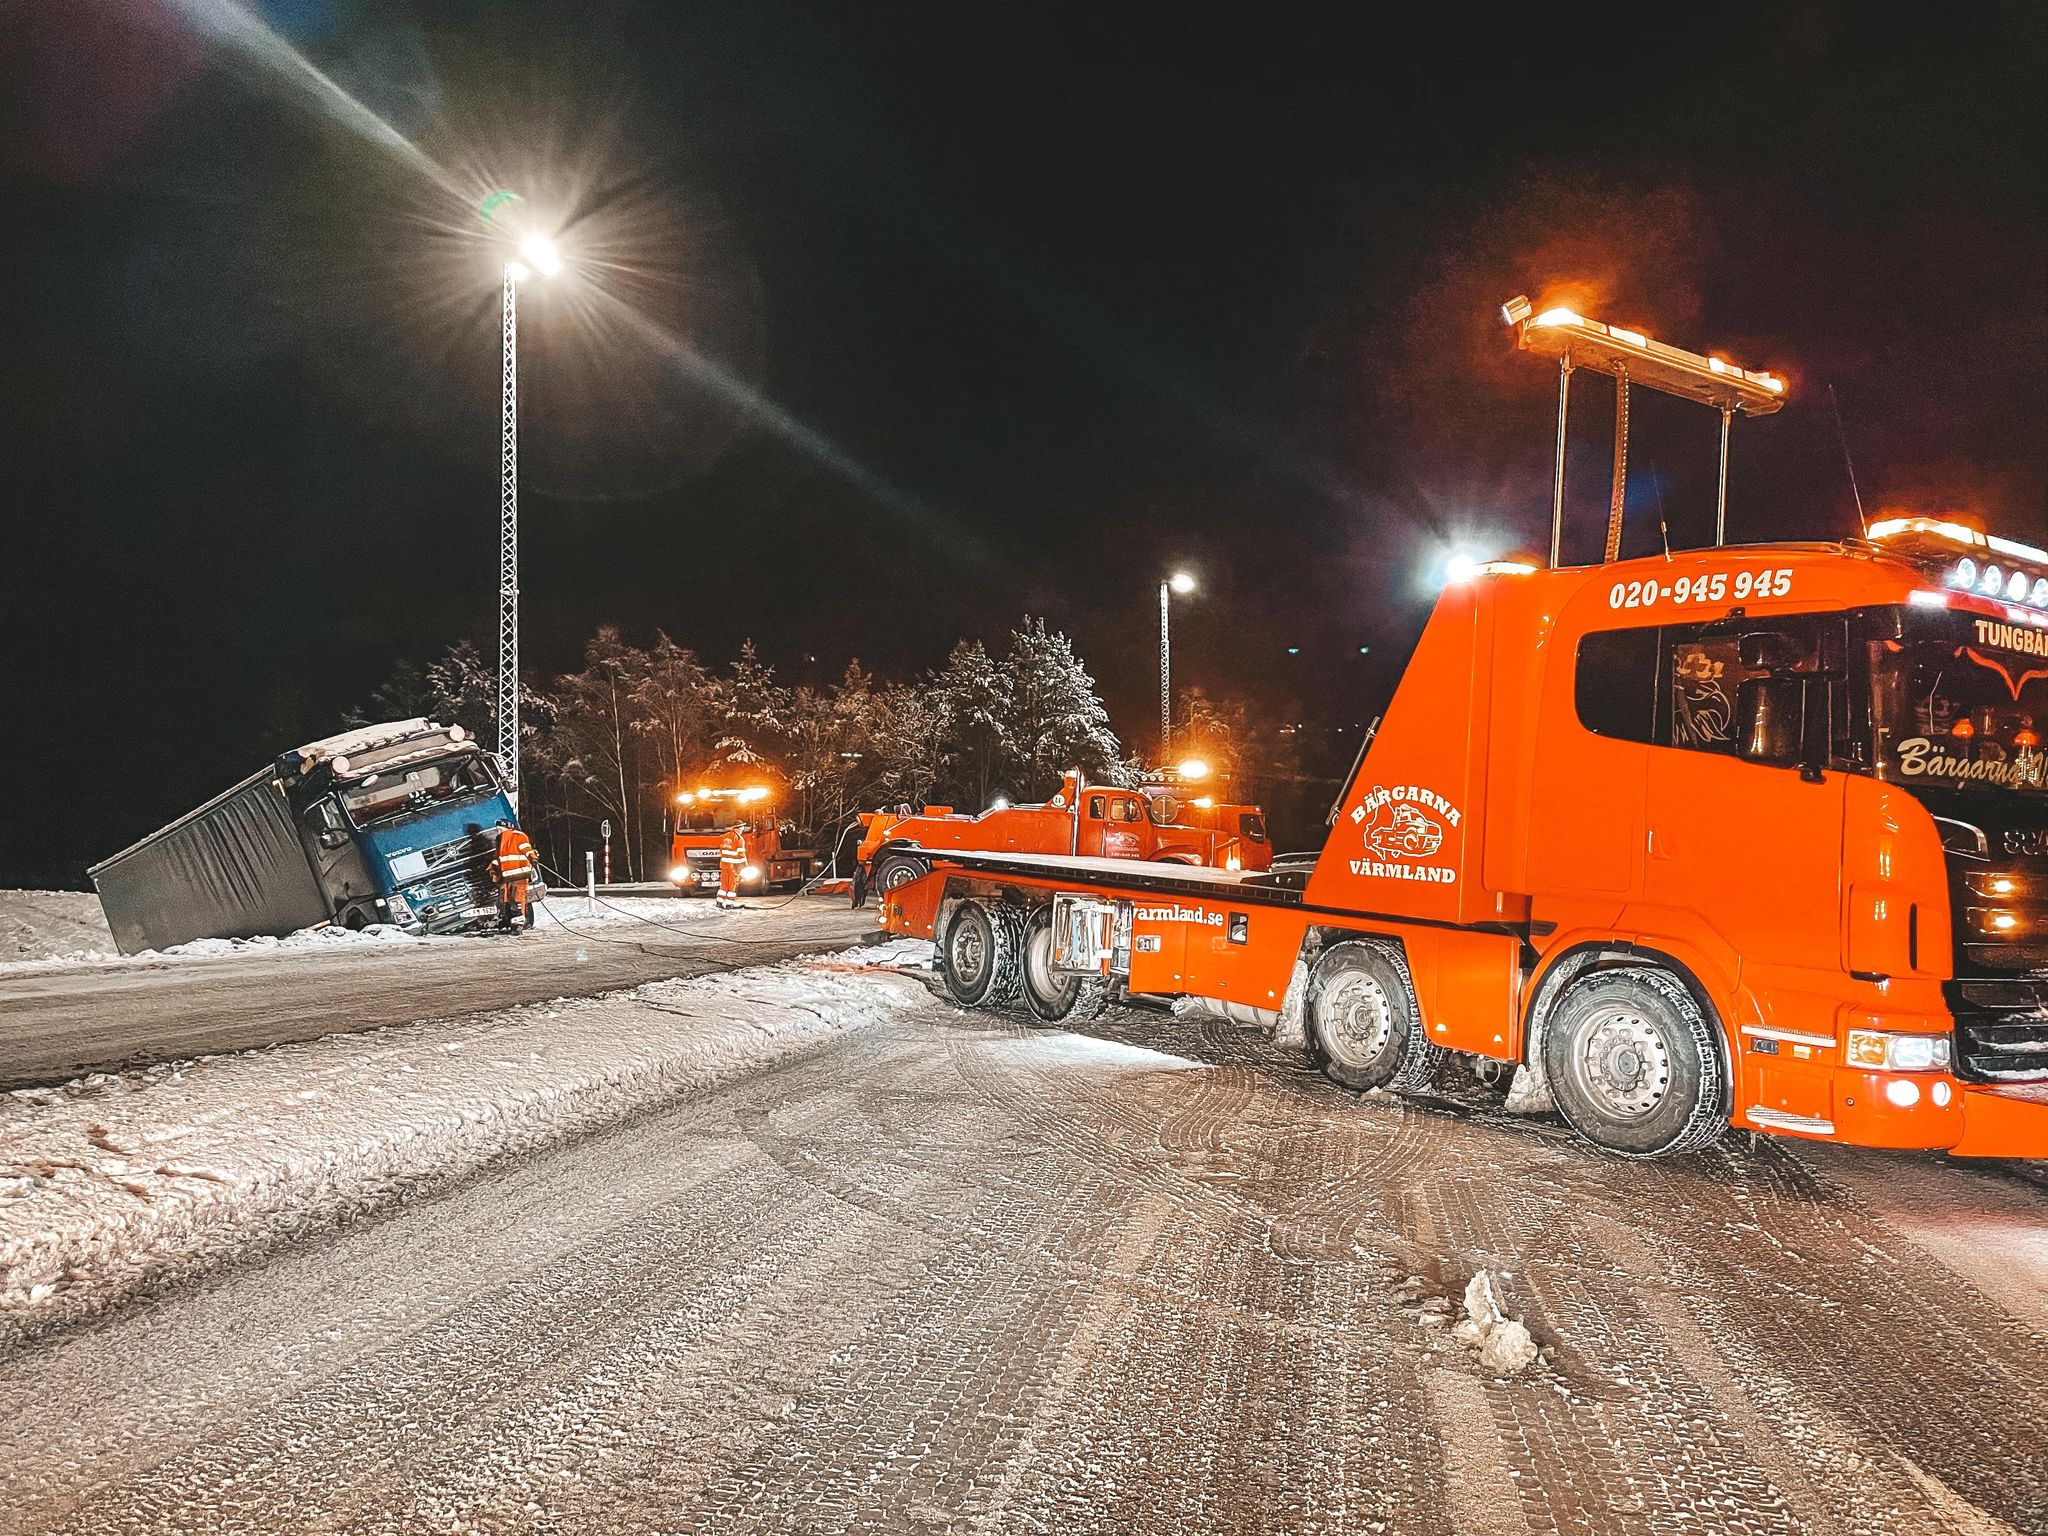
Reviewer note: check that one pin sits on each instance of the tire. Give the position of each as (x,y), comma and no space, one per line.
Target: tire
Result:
(1049,995)
(981,960)
(894,869)
(1364,1029)
(1635,1065)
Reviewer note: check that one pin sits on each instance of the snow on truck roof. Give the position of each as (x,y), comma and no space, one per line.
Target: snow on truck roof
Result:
(364,736)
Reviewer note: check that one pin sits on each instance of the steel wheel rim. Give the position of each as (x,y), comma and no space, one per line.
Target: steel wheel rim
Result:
(1048,984)
(897,874)
(968,952)
(1621,1062)
(1357,1019)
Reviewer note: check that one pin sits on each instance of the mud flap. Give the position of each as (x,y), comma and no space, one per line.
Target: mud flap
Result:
(2004,1122)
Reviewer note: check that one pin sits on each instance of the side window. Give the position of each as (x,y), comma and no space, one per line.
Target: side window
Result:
(1097,804)
(1615,688)
(1705,674)
(1124,808)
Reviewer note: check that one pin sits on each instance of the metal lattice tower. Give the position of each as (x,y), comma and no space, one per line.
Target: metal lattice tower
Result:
(508,549)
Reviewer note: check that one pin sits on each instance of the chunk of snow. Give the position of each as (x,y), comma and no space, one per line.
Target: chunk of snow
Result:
(1504,1345)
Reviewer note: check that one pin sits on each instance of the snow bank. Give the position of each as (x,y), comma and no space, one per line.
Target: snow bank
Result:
(305,941)
(52,927)
(109,1184)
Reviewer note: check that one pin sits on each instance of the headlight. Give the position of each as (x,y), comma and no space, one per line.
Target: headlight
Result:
(680,875)
(1890,1052)
(750,871)
(399,908)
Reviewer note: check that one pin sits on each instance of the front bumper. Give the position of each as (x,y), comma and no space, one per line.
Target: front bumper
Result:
(1918,1111)
(2005,1122)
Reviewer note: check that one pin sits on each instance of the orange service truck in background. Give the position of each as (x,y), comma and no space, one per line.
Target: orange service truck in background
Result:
(736,824)
(1751,836)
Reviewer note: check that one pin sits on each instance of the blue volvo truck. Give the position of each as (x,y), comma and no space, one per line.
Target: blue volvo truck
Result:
(392,823)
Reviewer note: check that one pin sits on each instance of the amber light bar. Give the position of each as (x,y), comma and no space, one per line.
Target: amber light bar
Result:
(1615,349)
(1633,358)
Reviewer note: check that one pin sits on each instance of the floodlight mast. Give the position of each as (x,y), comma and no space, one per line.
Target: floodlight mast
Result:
(1634,358)
(508,542)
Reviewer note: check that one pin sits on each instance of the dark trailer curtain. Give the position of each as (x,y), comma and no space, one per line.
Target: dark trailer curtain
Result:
(234,868)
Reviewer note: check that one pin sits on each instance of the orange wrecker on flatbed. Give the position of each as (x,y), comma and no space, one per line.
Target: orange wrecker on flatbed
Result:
(1750,836)
(1090,820)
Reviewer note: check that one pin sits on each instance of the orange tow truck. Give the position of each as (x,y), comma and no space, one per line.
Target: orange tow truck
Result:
(1750,836)
(737,825)
(1092,820)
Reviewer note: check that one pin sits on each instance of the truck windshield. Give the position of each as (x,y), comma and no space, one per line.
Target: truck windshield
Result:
(709,815)
(1961,702)
(415,787)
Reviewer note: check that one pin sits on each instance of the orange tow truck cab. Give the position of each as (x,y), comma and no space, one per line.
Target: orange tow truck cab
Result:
(734,825)
(1092,820)
(1752,836)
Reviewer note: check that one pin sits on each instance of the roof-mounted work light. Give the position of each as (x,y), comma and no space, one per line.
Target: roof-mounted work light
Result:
(1632,357)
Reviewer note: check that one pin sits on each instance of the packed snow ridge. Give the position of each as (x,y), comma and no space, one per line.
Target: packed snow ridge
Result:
(111,1184)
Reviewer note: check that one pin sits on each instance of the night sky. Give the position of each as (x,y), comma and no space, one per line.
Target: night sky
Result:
(919,318)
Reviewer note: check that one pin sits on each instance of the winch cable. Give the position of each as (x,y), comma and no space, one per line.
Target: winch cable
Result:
(655,922)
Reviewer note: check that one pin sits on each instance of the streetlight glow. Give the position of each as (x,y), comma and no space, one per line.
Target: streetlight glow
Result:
(1193,769)
(540,253)
(1181,582)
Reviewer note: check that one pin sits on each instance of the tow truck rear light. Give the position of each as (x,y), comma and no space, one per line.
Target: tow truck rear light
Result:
(1890,1051)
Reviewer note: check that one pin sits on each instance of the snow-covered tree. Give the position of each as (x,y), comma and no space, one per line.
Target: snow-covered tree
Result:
(973,698)
(594,748)
(1056,720)
(751,703)
(675,713)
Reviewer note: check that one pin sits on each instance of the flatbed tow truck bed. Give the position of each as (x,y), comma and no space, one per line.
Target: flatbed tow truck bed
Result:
(1282,886)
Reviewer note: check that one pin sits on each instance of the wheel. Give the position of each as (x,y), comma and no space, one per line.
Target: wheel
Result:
(894,869)
(980,960)
(1634,1063)
(1049,994)
(1364,1029)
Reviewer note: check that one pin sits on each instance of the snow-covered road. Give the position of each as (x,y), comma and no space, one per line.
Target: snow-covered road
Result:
(938,1272)
(61,1019)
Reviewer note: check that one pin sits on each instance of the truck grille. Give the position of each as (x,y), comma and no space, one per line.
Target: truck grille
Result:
(456,897)
(2001,1029)
(701,858)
